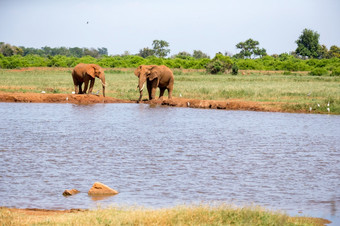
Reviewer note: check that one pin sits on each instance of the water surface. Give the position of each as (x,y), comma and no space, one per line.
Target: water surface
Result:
(163,156)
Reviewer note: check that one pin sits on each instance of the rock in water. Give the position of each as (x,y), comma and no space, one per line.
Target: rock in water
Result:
(101,189)
(70,192)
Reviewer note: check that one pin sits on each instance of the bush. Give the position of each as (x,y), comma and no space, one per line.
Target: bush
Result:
(336,72)
(219,64)
(318,72)
(234,69)
(215,67)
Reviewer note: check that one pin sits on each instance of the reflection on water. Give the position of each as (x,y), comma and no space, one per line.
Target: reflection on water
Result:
(163,156)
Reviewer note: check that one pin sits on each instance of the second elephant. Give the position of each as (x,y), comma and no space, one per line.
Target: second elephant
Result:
(85,73)
(155,76)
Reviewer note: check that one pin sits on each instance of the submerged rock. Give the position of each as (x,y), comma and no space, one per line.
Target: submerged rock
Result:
(70,192)
(101,189)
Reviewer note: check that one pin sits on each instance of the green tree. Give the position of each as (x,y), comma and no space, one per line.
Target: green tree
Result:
(250,48)
(103,51)
(198,54)
(145,52)
(183,55)
(7,50)
(159,46)
(308,44)
(334,51)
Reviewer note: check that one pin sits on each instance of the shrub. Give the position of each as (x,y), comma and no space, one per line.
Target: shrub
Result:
(318,72)
(219,64)
(234,69)
(215,67)
(336,72)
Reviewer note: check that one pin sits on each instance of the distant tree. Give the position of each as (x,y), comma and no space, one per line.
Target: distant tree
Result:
(308,44)
(323,52)
(334,51)
(103,51)
(250,48)
(76,52)
(91,52)
(182,55)
(198,54)
(126,53)
(145,52)
(9,50)
(159,46)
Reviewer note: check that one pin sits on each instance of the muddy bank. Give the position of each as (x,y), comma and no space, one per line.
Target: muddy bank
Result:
(230,104)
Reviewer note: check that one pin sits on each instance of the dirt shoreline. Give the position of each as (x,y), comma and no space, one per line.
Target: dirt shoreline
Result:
(230,104)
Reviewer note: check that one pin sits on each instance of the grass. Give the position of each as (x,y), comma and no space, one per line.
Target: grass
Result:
(180,215)
(295,92)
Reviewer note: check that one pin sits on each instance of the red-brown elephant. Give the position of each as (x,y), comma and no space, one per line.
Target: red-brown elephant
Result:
(83,73)
(155,76)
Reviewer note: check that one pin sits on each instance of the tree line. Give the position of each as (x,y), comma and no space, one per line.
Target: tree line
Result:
(308,56)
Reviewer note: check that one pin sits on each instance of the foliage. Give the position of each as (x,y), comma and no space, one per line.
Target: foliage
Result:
(318,72)
(198,54)
(234,69)
(219,64)
(146,52)
(9,50)
(308,44)
(249,48)
(159,46)
(336,71)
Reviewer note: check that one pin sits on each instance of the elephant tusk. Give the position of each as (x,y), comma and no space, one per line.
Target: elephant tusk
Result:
(103,84)
(142,87)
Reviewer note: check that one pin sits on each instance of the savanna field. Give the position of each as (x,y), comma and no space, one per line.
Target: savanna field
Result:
(287,92)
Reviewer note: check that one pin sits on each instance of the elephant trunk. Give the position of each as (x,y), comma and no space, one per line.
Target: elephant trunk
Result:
(141,85)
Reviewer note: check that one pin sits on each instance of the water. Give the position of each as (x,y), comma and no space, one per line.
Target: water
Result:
(163,156)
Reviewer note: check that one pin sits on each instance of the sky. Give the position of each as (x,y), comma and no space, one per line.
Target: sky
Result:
(211,26)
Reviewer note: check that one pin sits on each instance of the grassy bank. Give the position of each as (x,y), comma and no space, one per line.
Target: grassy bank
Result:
(182,215)
(294,92)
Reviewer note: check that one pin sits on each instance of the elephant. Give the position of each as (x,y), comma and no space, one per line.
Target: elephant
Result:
(155,76)
(83,73)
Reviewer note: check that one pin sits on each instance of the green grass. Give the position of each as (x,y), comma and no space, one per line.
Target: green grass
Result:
(291,91)
(180,215)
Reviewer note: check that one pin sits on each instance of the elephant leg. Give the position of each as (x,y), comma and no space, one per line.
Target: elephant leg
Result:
(86,85)
(149,86)
(170,92)
(91,86)
(161,93)
(76,89)
(80,90)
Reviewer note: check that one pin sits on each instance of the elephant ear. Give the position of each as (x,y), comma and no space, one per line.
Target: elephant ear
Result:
(154,73)
(137,71)
(91,71)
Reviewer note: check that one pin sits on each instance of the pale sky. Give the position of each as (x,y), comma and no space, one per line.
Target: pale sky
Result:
(208,25)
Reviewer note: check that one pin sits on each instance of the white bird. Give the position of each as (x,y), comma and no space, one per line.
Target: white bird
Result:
(310,108)
(43,92)
(329,110)
(180,95)
(318,105)
(66,98)
(188,103)
(328,104)
(73,92)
